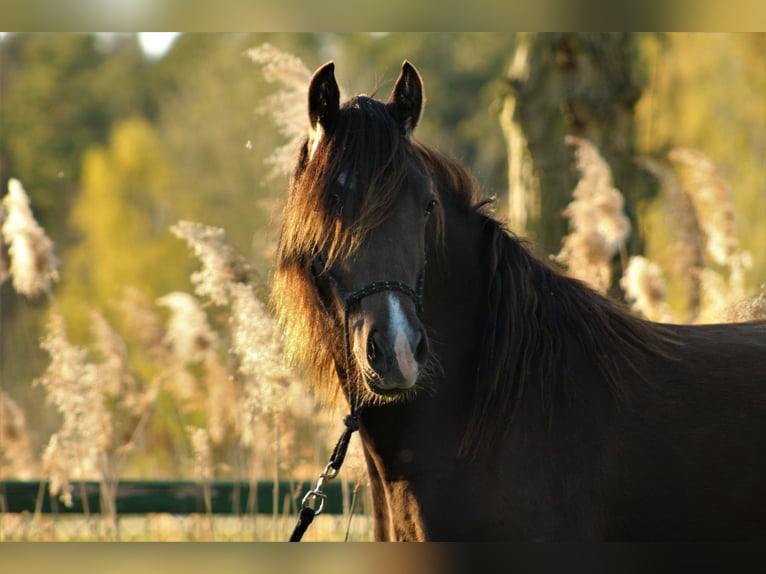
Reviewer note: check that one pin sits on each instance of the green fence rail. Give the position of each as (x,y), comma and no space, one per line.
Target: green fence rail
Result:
(172,497)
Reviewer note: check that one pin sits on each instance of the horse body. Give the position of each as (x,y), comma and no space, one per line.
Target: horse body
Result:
(682,459)
(540,410)
(679,455)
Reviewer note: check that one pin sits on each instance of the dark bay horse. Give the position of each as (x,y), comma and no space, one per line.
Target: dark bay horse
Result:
(502,400)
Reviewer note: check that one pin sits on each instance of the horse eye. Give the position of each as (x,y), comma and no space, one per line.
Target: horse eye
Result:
(430,207)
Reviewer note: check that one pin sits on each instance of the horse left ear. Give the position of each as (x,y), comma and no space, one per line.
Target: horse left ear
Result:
(406,100)
(324,97)
(324,103)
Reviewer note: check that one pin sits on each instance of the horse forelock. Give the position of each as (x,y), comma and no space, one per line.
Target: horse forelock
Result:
(347,186)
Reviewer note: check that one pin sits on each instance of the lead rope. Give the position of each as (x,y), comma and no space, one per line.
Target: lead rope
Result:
(314,501)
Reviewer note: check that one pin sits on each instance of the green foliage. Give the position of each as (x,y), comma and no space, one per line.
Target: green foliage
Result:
(60,94)
(121,217)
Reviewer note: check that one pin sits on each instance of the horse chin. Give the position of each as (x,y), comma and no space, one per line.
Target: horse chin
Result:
(385,395)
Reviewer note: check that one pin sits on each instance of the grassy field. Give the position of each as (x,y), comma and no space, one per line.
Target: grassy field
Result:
(176,528)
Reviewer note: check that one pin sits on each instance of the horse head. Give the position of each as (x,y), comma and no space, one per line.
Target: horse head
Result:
(369,259)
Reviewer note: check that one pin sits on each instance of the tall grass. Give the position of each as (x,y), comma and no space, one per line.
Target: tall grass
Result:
(708,256)
(240,407)
(596,219)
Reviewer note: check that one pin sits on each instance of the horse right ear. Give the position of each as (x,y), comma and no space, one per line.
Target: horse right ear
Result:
(406,100)
(324,103)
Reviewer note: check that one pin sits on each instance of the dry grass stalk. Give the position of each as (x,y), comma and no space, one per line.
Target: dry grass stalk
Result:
(258,347)
(75,388)
(33,264)
(287,106)
(114,366)
(221,266)
(713,202)
(16,458)
(130,406)
(645,289)
(688,247)
(752,309)
(269,388)
(5,271)
(222,390)
(596,219)
(714,206)
(257,342)
(202,454)
(188,333)
(142,322)
(203,467)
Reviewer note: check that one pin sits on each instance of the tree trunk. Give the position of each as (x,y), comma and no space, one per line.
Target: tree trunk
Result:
(562,84)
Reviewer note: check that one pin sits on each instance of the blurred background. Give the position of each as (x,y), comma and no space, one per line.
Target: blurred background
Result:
(116,137)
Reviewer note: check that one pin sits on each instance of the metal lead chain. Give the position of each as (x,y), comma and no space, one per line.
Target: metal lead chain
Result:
(316,498)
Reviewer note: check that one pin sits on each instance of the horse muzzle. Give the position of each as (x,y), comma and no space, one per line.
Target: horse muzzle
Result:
(391,350)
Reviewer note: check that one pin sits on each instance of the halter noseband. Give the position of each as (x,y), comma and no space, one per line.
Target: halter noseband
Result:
(416,294)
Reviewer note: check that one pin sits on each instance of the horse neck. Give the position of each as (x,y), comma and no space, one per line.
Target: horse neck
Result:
(412,449)
(420,435)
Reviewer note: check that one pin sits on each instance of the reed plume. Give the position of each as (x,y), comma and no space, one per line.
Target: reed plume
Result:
(188,333)
(287,106)
(688,245)
(596,219)
(16,457)
(268,387)
(33,263)
(751,309)
(712,200)
(221,266)
(645,289)
(714,207)
(78,450)
(114,366)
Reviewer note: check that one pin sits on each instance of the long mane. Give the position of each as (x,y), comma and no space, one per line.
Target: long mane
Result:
(534,314)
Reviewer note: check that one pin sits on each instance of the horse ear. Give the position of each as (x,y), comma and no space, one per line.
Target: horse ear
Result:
(406,100)
(324,98)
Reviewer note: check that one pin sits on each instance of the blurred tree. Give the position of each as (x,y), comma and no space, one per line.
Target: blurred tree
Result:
(569,84)
(59,94)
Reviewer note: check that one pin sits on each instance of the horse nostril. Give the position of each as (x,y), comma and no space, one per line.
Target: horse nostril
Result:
(372,349)
(421,348)
(377,356)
